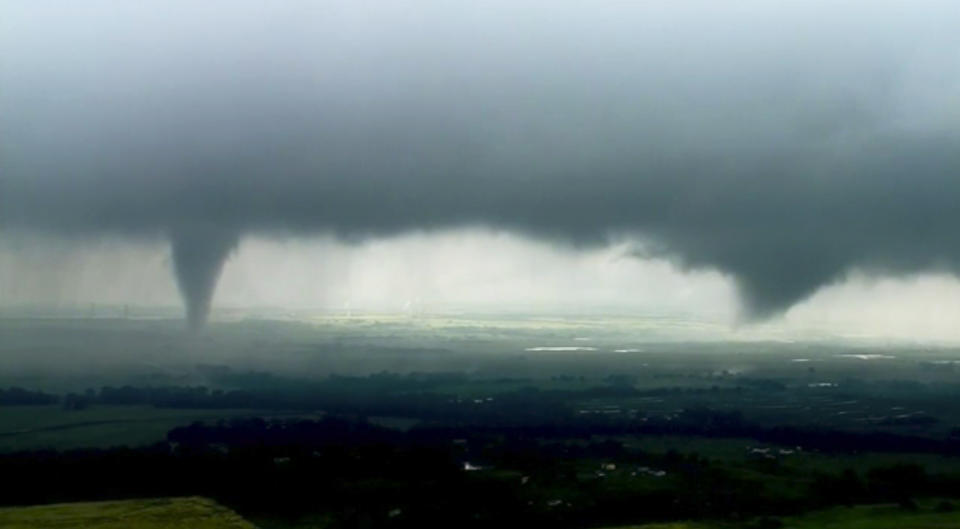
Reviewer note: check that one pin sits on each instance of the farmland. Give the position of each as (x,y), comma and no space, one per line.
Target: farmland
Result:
(392,422)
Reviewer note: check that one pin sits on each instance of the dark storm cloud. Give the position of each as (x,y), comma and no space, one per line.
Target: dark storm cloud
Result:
(783,145)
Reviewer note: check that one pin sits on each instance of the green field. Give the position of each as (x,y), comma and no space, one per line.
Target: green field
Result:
(926,516)
(52,427)
(168,513)
(736,451)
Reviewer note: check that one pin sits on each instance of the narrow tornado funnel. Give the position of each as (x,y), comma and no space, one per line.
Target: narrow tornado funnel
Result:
(198,257)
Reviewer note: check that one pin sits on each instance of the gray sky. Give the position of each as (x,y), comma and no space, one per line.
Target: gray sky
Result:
(772,147)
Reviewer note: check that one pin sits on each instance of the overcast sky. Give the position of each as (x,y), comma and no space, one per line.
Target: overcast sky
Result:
(728,158)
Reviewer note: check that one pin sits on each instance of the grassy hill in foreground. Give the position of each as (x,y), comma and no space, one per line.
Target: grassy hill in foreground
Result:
(927,516)
(165,513)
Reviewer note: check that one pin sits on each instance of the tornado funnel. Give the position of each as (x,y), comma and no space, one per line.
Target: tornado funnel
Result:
(198,257)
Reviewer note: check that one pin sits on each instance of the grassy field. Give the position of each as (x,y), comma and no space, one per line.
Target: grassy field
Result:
(927,516)
(167,513)
(36,427)
(736,451)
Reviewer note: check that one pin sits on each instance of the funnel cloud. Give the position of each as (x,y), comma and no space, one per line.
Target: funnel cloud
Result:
(198,257)
(775,144)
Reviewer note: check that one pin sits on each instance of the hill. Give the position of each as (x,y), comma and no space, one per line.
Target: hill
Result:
(164,513)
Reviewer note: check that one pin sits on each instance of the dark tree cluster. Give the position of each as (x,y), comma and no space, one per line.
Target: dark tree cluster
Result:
(23,397)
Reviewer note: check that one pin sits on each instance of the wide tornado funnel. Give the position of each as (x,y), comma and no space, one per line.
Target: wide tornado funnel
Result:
(198,257)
